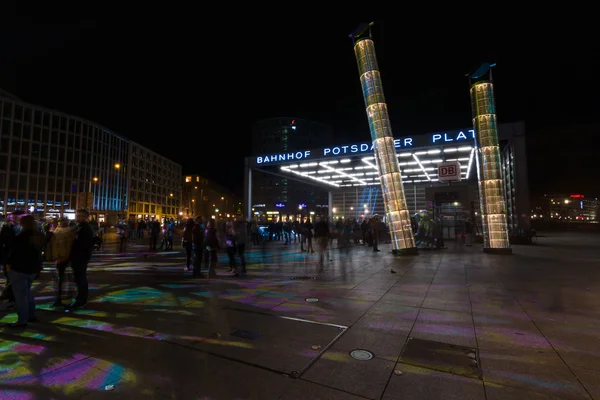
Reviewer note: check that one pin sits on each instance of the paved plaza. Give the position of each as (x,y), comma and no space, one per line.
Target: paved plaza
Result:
(449,324)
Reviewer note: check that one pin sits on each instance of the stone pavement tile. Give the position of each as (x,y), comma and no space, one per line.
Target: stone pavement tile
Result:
(577,344)
(410,289)
(509,334)
(494,391)
(537,371)
(445,327)
(457,279)
(375,285)
(449,291)
(338,370)
(437,303)
(303,390)
(285,355)
(417,383)
(317,313)
(365,295)
(402,299)
(590,380)
(382,344)
(390,319)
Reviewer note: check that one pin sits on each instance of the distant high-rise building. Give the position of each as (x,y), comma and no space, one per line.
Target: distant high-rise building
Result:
(282,135)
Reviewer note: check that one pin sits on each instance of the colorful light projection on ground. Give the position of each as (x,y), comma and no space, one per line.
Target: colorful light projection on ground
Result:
(30,371)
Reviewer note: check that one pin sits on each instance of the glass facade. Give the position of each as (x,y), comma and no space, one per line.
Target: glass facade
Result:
(396,210)
(283,135)
(155,185)
(489,167)
(52,163)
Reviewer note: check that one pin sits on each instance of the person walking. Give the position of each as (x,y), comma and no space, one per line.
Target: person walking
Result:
(375,227)
(23,265)
(198,246)
(308,233)
(154,227)
(7,235)
(241,227)
(61,251)
(322,236)
(469,232)
(81,253)
(187,243)
(211,243)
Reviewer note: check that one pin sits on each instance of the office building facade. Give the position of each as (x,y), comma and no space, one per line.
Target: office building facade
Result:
(276,191)
(202,197)
(52,163)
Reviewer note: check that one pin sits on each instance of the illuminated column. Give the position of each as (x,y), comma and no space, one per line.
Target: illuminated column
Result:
(489,166)
(398,216)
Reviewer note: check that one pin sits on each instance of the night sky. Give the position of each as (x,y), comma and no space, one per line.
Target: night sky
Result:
(190,85)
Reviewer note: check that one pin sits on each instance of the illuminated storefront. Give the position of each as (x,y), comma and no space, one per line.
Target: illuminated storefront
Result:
(348,173)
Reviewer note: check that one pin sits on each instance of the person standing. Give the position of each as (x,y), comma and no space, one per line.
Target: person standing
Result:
(7,236)
(187,242)
(81,253)
(198,239)
(241,227)
(211,243)
(308,233)
(23,265)
(61,250)
(254,233)
(154,233)
(375,227)
(322,236)
(469,232)
(231,241)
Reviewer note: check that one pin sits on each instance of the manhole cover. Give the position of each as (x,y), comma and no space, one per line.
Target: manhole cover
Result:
(361,355)
(245,334)
(457,360)
(311,299)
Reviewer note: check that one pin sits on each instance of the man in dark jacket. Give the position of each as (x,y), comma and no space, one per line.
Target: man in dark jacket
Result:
(198,245)
(23,265)
(322,236)
(7,235)
(81,253)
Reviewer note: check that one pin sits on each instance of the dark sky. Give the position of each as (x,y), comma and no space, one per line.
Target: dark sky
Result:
(189,83)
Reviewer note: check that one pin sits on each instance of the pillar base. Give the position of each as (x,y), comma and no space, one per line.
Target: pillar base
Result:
(507,251)
(411,251)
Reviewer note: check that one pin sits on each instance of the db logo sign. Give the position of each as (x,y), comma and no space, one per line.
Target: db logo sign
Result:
(449,171)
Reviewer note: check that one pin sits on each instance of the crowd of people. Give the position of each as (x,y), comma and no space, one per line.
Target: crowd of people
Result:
(26,243)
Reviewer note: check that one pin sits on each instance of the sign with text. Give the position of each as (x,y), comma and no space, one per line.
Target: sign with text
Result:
(458,137)
(449,171)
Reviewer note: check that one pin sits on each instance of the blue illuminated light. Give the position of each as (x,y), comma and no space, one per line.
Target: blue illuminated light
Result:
(460,136)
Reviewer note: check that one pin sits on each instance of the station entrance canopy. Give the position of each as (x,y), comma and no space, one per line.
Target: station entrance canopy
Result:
(354,164)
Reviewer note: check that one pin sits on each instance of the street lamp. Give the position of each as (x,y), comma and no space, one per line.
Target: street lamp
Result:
(117,165)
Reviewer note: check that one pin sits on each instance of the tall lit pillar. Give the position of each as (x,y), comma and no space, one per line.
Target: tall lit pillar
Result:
(489,166)
(398,216)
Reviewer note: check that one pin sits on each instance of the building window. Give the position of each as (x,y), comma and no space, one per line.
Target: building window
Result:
(188,179)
